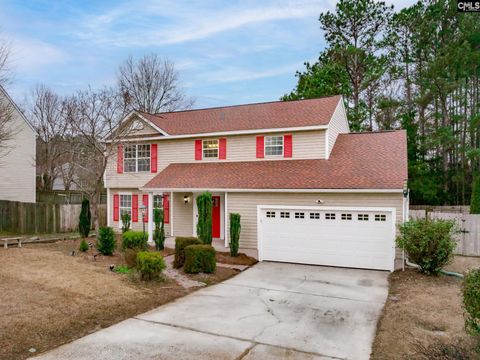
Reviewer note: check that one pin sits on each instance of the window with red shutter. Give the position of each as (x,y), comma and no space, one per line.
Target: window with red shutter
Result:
(145,203)
(120,159)
(166,208)
(116,209)
(287,146)
(198,149)
(222,153)
(153,158)
(135,208)
(260,147)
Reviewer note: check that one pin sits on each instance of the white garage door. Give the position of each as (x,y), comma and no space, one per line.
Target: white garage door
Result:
(359,238)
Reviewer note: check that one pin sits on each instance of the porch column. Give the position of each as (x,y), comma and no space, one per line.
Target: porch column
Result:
(226,220)
(109,211)
(150,218)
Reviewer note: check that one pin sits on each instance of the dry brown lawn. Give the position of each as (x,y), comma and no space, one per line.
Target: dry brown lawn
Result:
(48,297)
(423,317)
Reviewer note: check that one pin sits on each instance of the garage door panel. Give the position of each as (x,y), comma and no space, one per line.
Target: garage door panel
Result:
(362,239)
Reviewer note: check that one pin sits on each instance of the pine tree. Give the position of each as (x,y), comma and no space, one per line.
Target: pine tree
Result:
(475,200)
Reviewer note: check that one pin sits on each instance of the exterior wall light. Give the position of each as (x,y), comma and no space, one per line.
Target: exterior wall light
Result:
(186,199)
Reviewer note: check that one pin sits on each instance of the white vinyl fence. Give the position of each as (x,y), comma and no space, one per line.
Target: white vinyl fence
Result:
(468,240)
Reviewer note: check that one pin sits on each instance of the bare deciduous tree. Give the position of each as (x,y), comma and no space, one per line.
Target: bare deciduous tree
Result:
(48,118)
(94,115)
(151,84)
(7,130)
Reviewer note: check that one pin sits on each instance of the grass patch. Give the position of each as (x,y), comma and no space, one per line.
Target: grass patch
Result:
(122,269)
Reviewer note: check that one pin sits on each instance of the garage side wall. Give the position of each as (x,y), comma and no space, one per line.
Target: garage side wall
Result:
(246,205)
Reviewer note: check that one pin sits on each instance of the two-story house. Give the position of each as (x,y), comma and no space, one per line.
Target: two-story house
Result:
(307,189)
(17,153)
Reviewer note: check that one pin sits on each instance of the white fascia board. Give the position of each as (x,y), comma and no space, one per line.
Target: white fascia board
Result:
(387,191)
(4,92)
(228,133)
(128,118)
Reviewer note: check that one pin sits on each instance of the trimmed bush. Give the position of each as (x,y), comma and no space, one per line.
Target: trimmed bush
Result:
(150,264)
(106,240)
(180,244)
(84,220)
(125,222)
(471,302)
(475,200)
(204,224)
(130,256)
(200,259)
(159,233)
(234,233)
(428,243)
(83,246)
(134,240)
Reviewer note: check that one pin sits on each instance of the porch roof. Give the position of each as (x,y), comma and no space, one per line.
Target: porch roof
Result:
(358,161)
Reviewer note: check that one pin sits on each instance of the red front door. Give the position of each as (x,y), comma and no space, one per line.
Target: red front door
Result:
(216,217)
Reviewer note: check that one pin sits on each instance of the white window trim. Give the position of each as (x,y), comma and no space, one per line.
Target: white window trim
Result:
(218,149)
(136,159)
(265,146)
(120,224)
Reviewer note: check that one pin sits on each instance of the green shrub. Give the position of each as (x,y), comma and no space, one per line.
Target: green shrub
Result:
(130,256)
(204,224)
(428,243)
(125,222)
(471,302)
(122,269)
(134,240)
(84,220)
(475,199)
(200,258)
(150,264)
(180,244)
(159,233)
(83,246)
(106,240)
(234,233)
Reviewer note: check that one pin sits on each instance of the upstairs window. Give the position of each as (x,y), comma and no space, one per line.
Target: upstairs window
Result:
(136,158)
(210,148)
(273,145)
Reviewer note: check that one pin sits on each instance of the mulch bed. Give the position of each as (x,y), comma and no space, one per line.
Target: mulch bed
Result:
(241,259)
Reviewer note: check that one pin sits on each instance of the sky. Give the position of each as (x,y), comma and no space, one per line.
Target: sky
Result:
(226,52)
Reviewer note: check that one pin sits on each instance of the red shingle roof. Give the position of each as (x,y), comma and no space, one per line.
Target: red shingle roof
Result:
(279,114)
(358,161)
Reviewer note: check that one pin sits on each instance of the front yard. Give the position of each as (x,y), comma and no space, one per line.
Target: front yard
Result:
(423,317)
(49,297)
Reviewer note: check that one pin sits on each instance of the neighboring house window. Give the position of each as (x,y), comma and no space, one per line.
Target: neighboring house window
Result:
(125,205)
(157,201)
(137,158)
(273,145)
(210,148)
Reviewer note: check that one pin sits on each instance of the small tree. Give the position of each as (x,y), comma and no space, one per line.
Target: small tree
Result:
(83,246)
(84,220)
(125,222)
(234,233)
(475,200)
(159,233)
(204,225)
(106,240)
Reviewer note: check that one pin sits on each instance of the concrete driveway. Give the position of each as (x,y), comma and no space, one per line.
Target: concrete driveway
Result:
(270,311)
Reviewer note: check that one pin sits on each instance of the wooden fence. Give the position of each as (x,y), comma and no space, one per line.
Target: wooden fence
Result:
(41,218)
(468,240)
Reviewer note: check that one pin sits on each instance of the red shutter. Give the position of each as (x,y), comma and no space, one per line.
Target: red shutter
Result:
(120,159)
(260,147)
(222,144)
(135,208)
(145,203)
(116,209)
(287,146)
(153,157)
(198,149)
(166,208)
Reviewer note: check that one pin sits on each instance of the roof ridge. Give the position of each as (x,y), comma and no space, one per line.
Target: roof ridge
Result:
(372,132)
(239,105)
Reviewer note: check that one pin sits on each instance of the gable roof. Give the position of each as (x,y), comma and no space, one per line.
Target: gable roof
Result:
(268,115)
(376,160)
(22,115)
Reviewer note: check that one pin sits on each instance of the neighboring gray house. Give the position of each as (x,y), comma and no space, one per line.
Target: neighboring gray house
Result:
(17,164)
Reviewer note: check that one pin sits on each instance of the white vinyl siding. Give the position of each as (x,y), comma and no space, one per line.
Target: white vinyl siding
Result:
(338,125)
